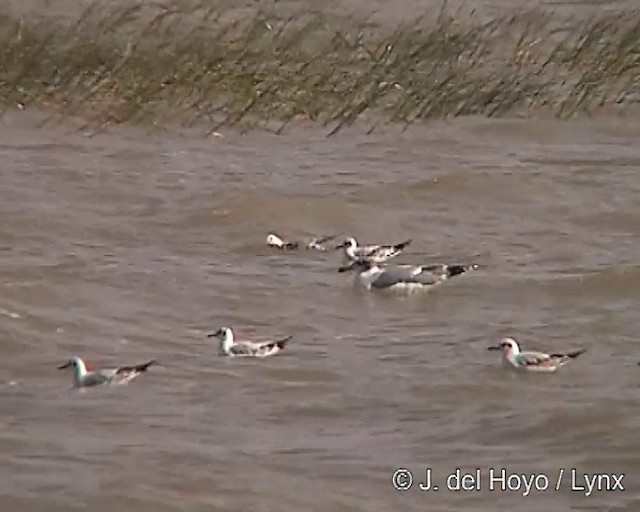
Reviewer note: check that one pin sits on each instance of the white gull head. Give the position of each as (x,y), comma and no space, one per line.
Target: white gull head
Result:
(226,338)
(79,369)
(509,348)
(274,240)
(350,246)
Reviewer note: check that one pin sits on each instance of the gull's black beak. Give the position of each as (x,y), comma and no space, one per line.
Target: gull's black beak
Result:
(341,246)
(213,334)
(65,365)
(495,347)
(346,268)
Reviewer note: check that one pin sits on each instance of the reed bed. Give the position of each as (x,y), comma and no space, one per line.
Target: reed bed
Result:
(193,63)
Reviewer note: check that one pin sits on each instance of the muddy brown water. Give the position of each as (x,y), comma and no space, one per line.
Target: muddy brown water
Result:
(128,246)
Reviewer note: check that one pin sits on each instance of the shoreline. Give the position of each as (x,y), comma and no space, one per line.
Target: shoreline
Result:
(188,64)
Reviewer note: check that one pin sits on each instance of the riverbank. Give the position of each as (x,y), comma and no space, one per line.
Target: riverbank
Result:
(190,63)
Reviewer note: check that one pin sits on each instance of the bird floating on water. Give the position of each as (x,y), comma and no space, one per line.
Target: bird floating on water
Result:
(108,376)
(230,347)
(314,243)
(532,361)
(403,277)
(373,253)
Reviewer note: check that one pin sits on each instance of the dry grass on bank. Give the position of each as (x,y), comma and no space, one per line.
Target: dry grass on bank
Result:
(191,63)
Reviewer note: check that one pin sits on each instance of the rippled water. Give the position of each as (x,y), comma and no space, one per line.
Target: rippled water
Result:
(126,246)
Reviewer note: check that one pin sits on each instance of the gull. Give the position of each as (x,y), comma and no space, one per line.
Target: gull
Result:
(230,347)
(403,277)
(532,361)
(374,253)
(315,243)
(120,375)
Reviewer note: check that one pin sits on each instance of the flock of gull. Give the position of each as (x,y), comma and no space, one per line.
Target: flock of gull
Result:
(373,273)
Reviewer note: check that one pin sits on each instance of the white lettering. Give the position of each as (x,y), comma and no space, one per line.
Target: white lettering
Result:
(460,481)
(517,481)
(598,482)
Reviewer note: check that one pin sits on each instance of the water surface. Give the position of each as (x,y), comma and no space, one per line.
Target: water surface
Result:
(128,246)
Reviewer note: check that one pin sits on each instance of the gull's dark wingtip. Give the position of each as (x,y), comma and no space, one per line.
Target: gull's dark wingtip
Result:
(144,366)
(284,341)
(281,343)
(572,355)
(455,270)
(576,353)
(402,245)
(139,368)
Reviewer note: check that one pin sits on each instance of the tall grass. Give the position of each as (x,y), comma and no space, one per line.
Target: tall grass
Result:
(190,62)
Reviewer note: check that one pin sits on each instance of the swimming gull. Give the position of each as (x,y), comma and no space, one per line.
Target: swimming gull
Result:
(532,361)
(230,347)
(316,243)
(403,277)
(373,253)
(108,376)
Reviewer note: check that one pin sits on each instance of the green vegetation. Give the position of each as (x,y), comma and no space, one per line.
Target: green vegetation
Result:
(188,62)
